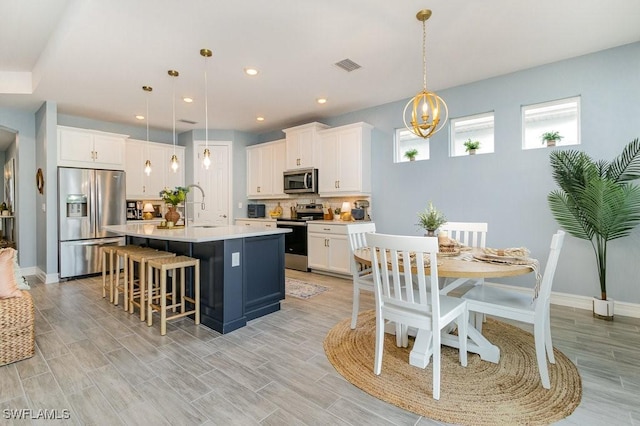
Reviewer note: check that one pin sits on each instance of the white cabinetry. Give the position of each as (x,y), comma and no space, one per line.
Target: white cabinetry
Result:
(256,223)
(303,145)
(345,160)
(141,186)
(265,164)
(328,248)
(90,148)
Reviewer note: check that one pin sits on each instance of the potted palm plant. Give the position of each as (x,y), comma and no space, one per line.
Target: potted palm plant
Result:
(471,146)
(430,220)
(551,138)
(411,154)
(597,202)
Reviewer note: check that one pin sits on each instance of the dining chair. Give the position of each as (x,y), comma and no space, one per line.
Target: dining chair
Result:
(362,276)
(518,306)
(471,234)
(412,305)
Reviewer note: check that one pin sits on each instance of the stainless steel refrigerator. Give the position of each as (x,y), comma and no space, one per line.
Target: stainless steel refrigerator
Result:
(88,200)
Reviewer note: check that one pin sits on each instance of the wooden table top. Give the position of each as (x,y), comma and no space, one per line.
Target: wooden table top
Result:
(453,267)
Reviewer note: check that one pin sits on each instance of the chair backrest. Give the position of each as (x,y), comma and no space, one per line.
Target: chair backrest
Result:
(549,270)
(472,234)
(356,233)
(392,253)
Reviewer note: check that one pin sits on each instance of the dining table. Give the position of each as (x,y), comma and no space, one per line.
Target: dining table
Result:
(471,263)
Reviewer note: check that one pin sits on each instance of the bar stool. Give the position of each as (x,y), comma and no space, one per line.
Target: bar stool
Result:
(111,273)
(122,252)
(157,292)
(137,297)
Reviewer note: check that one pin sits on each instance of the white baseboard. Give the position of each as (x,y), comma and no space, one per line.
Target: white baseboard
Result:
(45,278)
(579,302)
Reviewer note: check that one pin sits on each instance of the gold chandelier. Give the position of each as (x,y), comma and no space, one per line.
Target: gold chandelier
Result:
(206,158)
(429,112)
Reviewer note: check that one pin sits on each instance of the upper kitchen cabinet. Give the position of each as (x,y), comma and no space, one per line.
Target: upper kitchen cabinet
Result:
(303,145)
(141,186)
(265,167)
(90,148)
(345,160)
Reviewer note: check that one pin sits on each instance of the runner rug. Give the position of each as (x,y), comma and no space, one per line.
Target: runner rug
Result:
(482,393)
(301,289)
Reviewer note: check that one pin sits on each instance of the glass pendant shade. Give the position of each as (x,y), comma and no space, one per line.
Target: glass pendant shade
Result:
(206,158)
(174,157)
(429,111)
(174,163)
(147,167)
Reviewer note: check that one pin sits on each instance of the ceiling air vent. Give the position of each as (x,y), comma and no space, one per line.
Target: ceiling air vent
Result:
(348,65)
(182,120)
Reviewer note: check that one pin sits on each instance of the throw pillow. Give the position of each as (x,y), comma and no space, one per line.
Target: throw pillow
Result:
(8,285)
(20,280)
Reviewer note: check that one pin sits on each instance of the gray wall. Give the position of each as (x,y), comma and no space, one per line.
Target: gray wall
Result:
(508,188)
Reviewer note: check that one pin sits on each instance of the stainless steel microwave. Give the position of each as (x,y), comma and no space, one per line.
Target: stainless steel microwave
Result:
(301,181)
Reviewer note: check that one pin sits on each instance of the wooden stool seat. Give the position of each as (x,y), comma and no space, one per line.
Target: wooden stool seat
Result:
(122,252)
(157,293)
(137,297)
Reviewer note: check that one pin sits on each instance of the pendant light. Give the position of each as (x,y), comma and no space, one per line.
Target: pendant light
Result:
(174,157)
(206,157)
(147,164)
(429,112)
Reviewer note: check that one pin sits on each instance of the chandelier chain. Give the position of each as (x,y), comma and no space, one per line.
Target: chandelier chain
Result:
(424,54)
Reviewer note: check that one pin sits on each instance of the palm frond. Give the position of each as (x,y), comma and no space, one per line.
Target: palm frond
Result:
(569,216)
(626,167)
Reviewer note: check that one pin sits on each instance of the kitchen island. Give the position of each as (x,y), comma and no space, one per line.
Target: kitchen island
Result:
(241,270)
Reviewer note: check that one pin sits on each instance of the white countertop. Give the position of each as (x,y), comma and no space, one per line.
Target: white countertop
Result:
(193,233)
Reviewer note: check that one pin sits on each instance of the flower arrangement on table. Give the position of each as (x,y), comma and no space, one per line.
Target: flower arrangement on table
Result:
(431,219)
(174,196)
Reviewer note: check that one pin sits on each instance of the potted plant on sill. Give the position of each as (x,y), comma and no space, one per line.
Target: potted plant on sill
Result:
(430,220)
(597,202)
(411,154)
(551,138)
(471,146)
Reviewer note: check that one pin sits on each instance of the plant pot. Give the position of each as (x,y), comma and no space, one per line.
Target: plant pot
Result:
(551,142)
(172,215)
(430,233)
(472,152)
(603,309)
(412,158)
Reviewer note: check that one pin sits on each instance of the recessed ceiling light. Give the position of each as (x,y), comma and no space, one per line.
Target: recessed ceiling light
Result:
(321,100)
(140,117)
(187,99)
(260,118)
(251,71)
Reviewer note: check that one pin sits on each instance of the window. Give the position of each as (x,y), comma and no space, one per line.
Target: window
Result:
(407,141)
(562,116)
(478,127)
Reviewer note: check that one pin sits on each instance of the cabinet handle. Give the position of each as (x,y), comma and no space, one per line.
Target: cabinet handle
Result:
(338,184)
(96,155)
(326,229)
(258,189)
(144,189)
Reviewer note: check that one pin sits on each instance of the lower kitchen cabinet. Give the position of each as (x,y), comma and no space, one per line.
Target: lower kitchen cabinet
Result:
(328,248)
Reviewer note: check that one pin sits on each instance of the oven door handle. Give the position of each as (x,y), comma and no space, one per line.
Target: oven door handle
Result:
(284,222)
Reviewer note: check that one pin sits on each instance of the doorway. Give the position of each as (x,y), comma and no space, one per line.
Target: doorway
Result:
(216,183)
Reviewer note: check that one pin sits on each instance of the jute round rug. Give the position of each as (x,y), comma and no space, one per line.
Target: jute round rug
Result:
(482,393)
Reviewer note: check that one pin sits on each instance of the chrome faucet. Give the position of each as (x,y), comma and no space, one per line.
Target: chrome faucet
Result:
(202,206)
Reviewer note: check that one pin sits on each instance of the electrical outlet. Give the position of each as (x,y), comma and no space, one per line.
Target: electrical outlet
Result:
(235,259)
(240,205)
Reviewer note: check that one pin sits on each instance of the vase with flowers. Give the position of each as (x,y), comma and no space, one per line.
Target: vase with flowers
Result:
(173,197)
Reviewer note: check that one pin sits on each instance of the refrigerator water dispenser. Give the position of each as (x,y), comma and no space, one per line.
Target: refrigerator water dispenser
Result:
(76,205)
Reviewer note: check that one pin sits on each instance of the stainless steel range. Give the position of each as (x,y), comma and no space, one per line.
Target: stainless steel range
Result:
(295,242)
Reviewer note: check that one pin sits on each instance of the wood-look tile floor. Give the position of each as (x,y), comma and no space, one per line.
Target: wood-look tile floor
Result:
(105,367)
